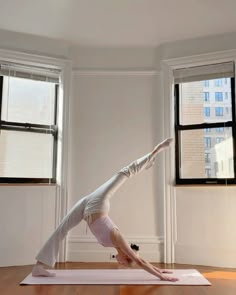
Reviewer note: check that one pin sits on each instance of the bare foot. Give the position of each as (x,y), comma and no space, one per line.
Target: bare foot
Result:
(163,145)
(39,271)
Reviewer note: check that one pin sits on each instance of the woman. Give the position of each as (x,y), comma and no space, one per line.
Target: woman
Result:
(94,210)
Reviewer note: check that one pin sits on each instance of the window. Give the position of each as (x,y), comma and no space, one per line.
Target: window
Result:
(219,111)
(231,163)
(207,111)
(207,158)
(222,165)
(206,83)
(219,96)
(28,124)
(206,96)
(219,129)
(226,95)
(219,139)
(205,133)
(207,141)
(218,82)
(216,166)
(208,172)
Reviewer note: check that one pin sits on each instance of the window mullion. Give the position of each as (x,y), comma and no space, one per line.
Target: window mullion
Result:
(177,137)
(234,123)
(27,127)
(204,126)
(55,145)
(1,89)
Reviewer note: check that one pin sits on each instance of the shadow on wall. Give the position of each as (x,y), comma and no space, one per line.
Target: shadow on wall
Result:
(158,135)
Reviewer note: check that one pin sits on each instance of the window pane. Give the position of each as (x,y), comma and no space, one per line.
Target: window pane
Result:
(218,82)
(206,96)
(207,111)
(196,105)
(206,156)
(218,96)
(219,111)
(26,154)
(28,101)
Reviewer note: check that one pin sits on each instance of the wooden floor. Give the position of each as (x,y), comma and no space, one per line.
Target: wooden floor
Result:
(223,283)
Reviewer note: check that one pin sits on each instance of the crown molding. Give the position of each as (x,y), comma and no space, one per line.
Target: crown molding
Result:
(115,72)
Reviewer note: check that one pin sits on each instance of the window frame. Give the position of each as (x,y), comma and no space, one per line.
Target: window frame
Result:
(178,128)
(35,128)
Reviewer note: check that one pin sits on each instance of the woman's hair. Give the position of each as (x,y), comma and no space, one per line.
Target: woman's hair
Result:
(134,247)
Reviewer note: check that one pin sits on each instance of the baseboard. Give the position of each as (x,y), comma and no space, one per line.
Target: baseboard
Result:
(87,249)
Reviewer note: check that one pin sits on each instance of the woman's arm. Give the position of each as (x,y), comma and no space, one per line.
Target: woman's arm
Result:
(124,247)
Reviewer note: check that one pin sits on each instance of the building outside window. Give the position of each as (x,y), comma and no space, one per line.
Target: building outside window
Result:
(216,166)
(207,112)
(218,82)
(207,158)
(219,96)
(208,172)
(219,111)
(219,129)
(206,96)
(207,141)
(219,139)
(207,130)
(201,154)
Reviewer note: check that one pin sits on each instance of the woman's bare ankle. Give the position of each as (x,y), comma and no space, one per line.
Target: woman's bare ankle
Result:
(39,263)
(39,270)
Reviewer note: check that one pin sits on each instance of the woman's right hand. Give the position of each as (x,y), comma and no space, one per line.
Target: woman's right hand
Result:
(170,279)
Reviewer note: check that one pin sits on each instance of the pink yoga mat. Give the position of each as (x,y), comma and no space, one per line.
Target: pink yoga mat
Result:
(115,277)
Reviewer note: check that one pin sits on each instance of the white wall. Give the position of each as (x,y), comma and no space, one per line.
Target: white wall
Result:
(206,226)
(27,217)
(114,58)
(112,123)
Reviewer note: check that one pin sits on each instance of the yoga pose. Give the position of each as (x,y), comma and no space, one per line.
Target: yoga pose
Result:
(94,210)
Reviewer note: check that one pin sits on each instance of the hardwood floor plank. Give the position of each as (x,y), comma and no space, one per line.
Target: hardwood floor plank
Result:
(223,282)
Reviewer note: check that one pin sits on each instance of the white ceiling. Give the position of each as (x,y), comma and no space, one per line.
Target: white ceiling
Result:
(119,23)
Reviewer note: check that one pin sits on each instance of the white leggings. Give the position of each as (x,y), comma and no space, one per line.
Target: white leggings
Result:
(96,202)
